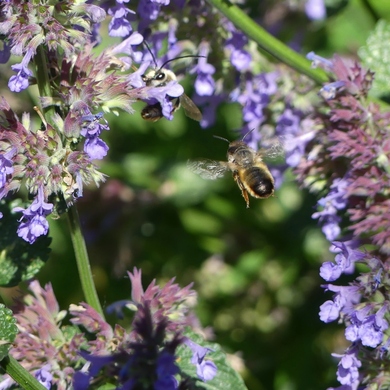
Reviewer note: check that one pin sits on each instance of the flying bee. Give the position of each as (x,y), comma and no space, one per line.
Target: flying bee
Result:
(160,78)
(247,166)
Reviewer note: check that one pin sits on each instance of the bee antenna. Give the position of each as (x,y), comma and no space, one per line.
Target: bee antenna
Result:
(223,139)
(178,58)
(151,53)
(250,131)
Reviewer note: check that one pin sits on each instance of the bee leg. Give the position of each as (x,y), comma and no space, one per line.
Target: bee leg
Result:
(240,184)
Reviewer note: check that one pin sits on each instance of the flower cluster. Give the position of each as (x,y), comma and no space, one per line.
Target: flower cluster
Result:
(350,159)
(59,355)
(48,161)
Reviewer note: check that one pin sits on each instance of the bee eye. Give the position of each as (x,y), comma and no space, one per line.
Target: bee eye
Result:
(143,77)
(160,76)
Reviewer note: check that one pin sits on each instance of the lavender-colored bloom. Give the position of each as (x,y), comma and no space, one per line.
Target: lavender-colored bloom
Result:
(318,60)
(344,261)
(315,9)
(334,201)
(330,271)
(19,82)
(367,328)
(148,11)
(6,166)
(329,311)
(296,135)
(329,91)
(205,369)
(6,383)
(166,369)
(119,25)
(348,368)
(288,122)
(256,97)
(80,185)
(344,300)
(96,148)
(91,129)
(347,255)
(33,223)
(126,47)
(135,78)
(377,279)
(239,57)
(204,83)
(44,376)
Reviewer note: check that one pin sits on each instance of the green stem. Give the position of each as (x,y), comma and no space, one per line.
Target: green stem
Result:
(42,74)
(20,375)
(267,42)
(82,260)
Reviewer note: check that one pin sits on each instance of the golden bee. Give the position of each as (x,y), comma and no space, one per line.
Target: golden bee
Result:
(247,166)
(160,78)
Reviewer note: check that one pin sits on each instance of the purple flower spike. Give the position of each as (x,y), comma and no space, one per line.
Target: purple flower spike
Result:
(33,223)
(205,369)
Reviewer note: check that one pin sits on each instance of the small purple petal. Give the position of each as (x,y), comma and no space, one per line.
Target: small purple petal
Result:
(206,371)
(96,148)
(329,311)
(315,9)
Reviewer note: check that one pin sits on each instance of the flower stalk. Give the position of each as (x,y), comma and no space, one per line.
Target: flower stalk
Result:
(42,75)
(267,42)
(20,374)
(82,260)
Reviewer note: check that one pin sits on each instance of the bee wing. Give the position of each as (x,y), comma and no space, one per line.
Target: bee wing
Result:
(273,151)
(208,169)
(190,109)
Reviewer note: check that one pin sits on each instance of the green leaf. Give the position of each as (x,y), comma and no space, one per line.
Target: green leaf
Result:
(226,378)
(19,260)
(8,330)
(375,55)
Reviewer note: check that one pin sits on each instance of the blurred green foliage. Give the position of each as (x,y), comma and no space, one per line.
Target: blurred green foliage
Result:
(255,270)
